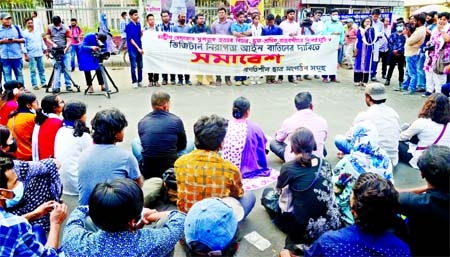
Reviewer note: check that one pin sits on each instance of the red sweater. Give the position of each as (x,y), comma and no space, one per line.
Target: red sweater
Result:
(46,137)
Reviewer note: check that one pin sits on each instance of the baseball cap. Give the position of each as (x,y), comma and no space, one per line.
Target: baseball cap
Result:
(5,16)
(211,222)
(376,91)
(350,20)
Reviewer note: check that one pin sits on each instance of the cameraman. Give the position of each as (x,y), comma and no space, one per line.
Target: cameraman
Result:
(59,37)
(93,44)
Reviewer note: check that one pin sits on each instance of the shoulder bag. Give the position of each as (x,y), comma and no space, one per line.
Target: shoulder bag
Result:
(440,64)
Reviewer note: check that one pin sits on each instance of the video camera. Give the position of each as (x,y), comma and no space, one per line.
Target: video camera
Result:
(306,23)
(101,54)
(56,53)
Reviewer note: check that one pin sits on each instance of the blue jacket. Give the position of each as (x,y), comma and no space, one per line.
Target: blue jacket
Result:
(273,31)
(88,62)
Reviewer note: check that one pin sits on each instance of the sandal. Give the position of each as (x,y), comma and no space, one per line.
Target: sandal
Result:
(103,87)
(90,90)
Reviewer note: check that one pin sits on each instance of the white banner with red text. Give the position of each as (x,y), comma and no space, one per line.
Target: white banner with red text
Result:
(205,54)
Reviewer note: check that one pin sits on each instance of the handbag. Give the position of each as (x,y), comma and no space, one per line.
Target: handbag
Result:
(440,64)
(435,141)
(286,198)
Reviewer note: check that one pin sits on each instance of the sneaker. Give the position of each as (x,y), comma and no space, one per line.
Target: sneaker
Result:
(293,81)
(245,83)
(228,82)
(427,94)
(180,83)
(139,84)
(172,82)
(383,76)
(238,83)
(335,81)
(56,91)
(325,81)
(307,77)
(189,83)
(316,76)
(421,90)
(374,79)
(253,82)
(135,85)
(164,82)
(36,87)
(69,89)
(387,83)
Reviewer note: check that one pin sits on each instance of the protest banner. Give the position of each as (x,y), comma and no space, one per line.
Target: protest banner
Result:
(246,56)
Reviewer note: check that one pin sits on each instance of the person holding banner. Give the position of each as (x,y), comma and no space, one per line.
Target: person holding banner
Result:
(334,27)
(134,44)
(222,27)
(256,28)
(166,26)
(290,28)
(182,27)
(271,30)
(201,28)
(241,29)
(153,78)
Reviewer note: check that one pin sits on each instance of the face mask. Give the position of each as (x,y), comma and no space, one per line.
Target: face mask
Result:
(13,146)
(33,111)
(18,194)
(334,18)
(399,28)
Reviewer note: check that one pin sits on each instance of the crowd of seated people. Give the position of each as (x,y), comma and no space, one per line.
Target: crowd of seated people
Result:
(327,203)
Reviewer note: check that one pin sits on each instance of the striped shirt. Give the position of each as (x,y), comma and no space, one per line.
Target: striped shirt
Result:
(203,174)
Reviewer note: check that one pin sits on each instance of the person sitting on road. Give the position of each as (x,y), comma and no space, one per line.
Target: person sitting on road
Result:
(374,205)
(90,52)
(116,209)
(245,143)
(8,99)
(304,117)
(427,208)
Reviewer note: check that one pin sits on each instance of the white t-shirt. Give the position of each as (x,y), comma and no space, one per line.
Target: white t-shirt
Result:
(290,27)
(67,151)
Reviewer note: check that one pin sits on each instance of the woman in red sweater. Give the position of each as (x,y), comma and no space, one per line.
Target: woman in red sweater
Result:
(48,121)
(8,99)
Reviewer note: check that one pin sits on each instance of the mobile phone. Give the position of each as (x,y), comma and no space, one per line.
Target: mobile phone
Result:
(10,39)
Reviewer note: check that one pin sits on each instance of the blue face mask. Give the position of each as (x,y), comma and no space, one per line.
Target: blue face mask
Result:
(399,28)
(18,194)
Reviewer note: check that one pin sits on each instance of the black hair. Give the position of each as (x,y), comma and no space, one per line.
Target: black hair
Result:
(164,11)
(159,98)
(376,11)
(444,14)
(240,13)
(123,14)
(436,108)
(361,25)
(209,132)
(106,124)
(240,106)
(303,144)
(222,9)
(132,11)
(290,11)
(73,19)
(318,11)
(303,100)
(270,17)
(73,112)
(56,20)
(35,13)
(27,20)
(48,105)
(6,164)
(334,10)
(4,135)
(375,203)
(420,17)
(23,100)
(149,15)
(434,164)
(8,93)
(432,14)
(112,205)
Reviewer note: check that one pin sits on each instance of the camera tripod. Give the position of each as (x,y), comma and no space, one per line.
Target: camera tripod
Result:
(59,64)
(106,77)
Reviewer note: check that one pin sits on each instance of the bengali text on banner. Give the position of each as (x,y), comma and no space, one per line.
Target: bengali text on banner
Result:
(250,56)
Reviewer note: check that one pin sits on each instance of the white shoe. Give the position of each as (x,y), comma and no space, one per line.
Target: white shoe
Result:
(253,82)
(258,82)
(135,85)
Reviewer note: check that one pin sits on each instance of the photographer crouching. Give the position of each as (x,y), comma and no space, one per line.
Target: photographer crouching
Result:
(92,53)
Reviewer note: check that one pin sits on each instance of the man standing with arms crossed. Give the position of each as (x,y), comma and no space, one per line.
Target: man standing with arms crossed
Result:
(182,27)
(133,33)
(222,26)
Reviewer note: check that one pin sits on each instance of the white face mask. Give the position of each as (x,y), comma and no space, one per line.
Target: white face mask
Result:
(334,17)
(18,194)
(399,28)
(33,111)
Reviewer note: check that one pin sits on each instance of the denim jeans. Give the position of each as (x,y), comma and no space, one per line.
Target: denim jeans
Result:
(342,144)
(74,52)
(248,202)
(421,82)
(411,66)
(63,64)
(136,148)
(135,62)
(10,66)
(39,63)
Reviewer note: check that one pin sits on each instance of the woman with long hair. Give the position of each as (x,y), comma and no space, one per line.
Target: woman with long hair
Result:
(8,99)
(364,52)
(256,28)
(429,129)
(21,123)
(245,143)
(48,121)
(70,141)
(308,178)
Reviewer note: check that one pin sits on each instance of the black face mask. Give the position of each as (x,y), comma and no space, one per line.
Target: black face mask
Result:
(12,146)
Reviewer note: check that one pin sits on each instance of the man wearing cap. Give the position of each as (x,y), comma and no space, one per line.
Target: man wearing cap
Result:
(10,49)
(59,36)
(349,42)
(385,119)
(203,173)
(210,229)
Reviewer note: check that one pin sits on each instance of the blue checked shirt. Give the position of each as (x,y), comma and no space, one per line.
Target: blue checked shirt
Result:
(14,50)
(18,239)
(34,44)
(122,26)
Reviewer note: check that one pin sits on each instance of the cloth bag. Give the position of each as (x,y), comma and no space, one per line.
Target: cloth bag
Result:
(440,64)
